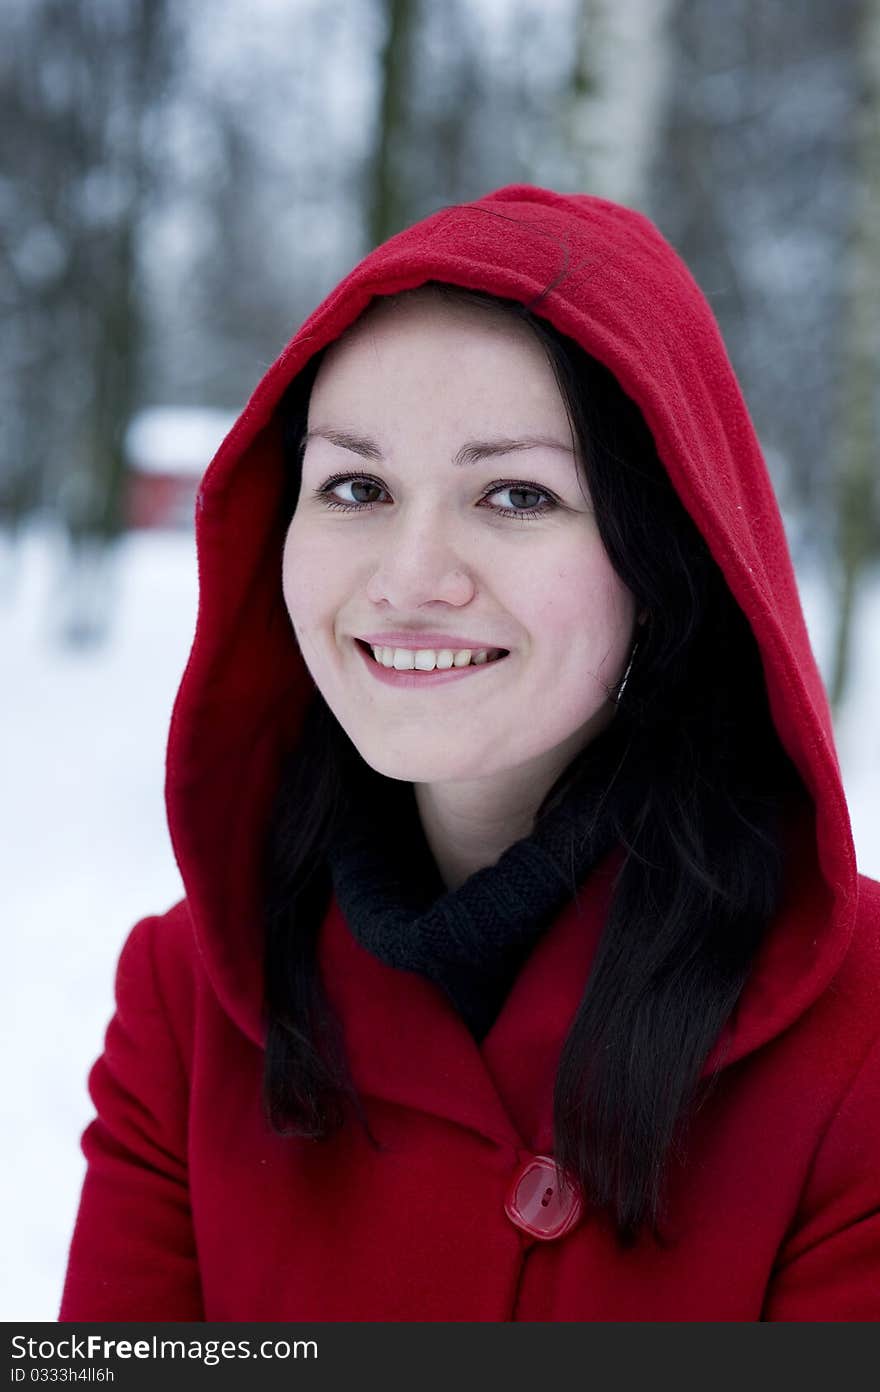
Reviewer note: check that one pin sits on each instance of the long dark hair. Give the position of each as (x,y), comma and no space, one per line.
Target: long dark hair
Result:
(697,792)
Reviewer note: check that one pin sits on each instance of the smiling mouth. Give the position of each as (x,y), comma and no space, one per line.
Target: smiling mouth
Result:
(497,655)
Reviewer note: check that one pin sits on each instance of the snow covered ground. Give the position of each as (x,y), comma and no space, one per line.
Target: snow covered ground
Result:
(85,849)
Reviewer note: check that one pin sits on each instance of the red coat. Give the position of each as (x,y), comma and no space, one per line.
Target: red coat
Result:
(192,1209)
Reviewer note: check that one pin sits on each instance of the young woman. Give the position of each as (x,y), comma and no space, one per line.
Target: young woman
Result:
(524,970)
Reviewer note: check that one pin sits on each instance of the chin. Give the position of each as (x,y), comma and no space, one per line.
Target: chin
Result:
(407,770)
(413,769)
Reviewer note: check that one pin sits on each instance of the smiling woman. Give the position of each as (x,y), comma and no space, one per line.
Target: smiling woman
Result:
(524,970)
(440,549)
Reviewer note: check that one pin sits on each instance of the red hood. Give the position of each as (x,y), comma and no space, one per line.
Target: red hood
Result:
(629,300)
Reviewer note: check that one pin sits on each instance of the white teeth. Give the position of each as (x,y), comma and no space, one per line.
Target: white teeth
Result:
(426,659)
(445,657)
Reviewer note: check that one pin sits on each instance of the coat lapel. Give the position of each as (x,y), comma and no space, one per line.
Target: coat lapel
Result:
(523,1047)
(407,1044)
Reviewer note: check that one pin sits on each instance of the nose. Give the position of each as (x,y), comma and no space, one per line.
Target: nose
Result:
(419,563)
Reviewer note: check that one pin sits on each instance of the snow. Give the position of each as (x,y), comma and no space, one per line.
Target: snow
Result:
(86,850)
(85,853)
(176,439)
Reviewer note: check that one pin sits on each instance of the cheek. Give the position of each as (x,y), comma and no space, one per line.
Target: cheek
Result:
(584,643)
(613,618)
(303,599)
(291,575)
(581,618)
(305,570)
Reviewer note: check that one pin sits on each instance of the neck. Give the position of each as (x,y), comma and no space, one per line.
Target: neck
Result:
(465,834)
(469,825)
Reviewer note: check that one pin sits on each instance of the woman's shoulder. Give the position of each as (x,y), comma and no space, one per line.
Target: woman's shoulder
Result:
(165,940)
(866,937)
(869,900)
(159,963)
(855,988)
(859,972)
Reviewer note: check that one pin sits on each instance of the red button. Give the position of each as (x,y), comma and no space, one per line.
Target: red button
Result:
(541,1202)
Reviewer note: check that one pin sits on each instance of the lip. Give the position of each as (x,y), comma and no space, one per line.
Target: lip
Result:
(436,641)
(413,679)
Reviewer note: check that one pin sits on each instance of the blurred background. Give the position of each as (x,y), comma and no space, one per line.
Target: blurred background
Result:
(180,185)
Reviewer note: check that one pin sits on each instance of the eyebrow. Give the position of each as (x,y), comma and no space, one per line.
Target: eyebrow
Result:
(470,453)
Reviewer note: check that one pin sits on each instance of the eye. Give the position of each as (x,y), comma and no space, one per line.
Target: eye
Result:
(358,483)
(518,491)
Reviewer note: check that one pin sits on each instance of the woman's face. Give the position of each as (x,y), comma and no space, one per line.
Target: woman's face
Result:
(419,380)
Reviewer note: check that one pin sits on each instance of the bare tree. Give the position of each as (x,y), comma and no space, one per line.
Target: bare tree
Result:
(85,82)
(616,92)
(385,202)
(857,456)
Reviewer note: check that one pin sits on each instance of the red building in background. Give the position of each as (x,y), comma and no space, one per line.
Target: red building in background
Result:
(167,449)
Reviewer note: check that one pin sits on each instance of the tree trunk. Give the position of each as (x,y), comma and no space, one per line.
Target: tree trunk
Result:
(858,524)
(383,197)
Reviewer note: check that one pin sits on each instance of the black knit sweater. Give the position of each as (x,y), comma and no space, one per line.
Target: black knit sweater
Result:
(472,940)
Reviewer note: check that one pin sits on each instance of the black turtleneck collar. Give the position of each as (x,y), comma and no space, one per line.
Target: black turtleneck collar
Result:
(472,940)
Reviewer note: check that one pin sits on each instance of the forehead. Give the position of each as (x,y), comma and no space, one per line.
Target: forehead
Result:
(422,347)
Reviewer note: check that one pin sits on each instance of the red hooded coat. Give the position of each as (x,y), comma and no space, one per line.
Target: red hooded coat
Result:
(192,1209)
